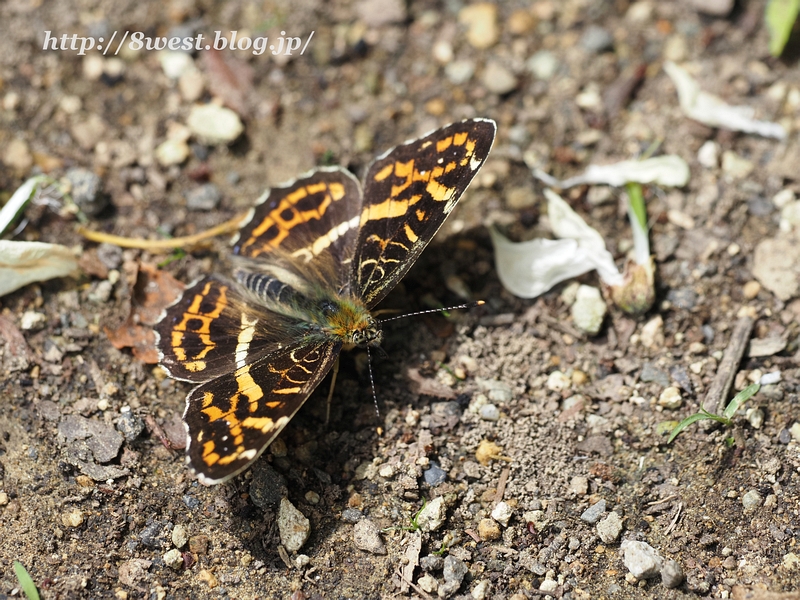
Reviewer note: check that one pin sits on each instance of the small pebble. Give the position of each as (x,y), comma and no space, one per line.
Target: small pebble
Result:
(367,536)
(579,485)
(432,562)
(454,572)
(481,590)
(301,561)
(32,320)
(596,39)
(589,309)
(460,71)
(708,155)
(609,529)
(543,64)
(641,559)
(489,412)
(557,381)
(174,559)
(498,79)
(502,513)
(175,63)
(592,514)
(481,22)
(671,574)
(548,585)
(488,530)
(72,519)
(432,516)
(434,475)
(352,515)
(670,398)
(180,536)
(213,125)
(443,52)
(736,167)
(205,197)
(751,500)
(293,526)
(717,8)
(755,417)
(172,152)
(428,583)
(18,155)
(129,425)
(86,191)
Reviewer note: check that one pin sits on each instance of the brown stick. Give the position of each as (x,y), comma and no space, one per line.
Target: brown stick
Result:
(179,242)
(717,396)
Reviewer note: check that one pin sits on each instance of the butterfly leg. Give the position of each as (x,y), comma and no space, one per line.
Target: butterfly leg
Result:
(335,372)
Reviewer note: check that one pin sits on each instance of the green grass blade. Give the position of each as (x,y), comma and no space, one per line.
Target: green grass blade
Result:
(780,16)
(739,399)
(685,423)
(25,581)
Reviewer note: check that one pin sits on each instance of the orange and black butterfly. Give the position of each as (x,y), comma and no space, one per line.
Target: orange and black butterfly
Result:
(313,258)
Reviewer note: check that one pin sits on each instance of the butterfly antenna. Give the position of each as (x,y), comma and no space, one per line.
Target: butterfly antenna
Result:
(372,384)
(435,310)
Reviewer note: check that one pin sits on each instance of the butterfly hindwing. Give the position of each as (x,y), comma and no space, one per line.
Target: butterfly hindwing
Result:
(197,336)
(408,193)
(231,419)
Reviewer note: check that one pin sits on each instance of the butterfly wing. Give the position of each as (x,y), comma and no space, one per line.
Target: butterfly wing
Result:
(408,193)
(205,333)
(233,418)
(307,228)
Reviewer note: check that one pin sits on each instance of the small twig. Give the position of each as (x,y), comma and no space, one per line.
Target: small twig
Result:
(501,485)
(179,242)
(155,429)
(674,522)
(663,500)
(473,535)
(417,589)
(717,396)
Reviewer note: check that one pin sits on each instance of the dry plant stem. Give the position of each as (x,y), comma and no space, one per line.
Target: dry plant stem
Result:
(413,585)
(717,396)
(501,485)
(179,242)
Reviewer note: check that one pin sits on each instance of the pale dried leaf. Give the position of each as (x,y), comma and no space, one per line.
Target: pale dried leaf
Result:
(22,263)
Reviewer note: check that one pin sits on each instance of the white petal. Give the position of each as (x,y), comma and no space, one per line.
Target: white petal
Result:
(713,111)
(670,171)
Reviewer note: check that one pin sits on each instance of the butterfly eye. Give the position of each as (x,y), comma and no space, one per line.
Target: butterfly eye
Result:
(328,308)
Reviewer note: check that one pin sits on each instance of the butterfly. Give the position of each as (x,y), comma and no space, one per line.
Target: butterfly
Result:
(312,259)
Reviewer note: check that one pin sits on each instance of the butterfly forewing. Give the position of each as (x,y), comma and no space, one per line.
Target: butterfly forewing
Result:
(309,226)
(408,194)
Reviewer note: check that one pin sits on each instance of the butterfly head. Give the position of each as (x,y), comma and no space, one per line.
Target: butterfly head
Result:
(350,322)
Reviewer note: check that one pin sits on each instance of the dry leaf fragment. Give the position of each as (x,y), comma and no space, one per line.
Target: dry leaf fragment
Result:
(153,292)
(488,451)
(22,263)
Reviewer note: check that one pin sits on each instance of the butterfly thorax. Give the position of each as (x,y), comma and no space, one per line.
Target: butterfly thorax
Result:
(348,321)
(332,317)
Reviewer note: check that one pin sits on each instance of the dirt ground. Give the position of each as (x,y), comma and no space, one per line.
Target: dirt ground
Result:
(93,498)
